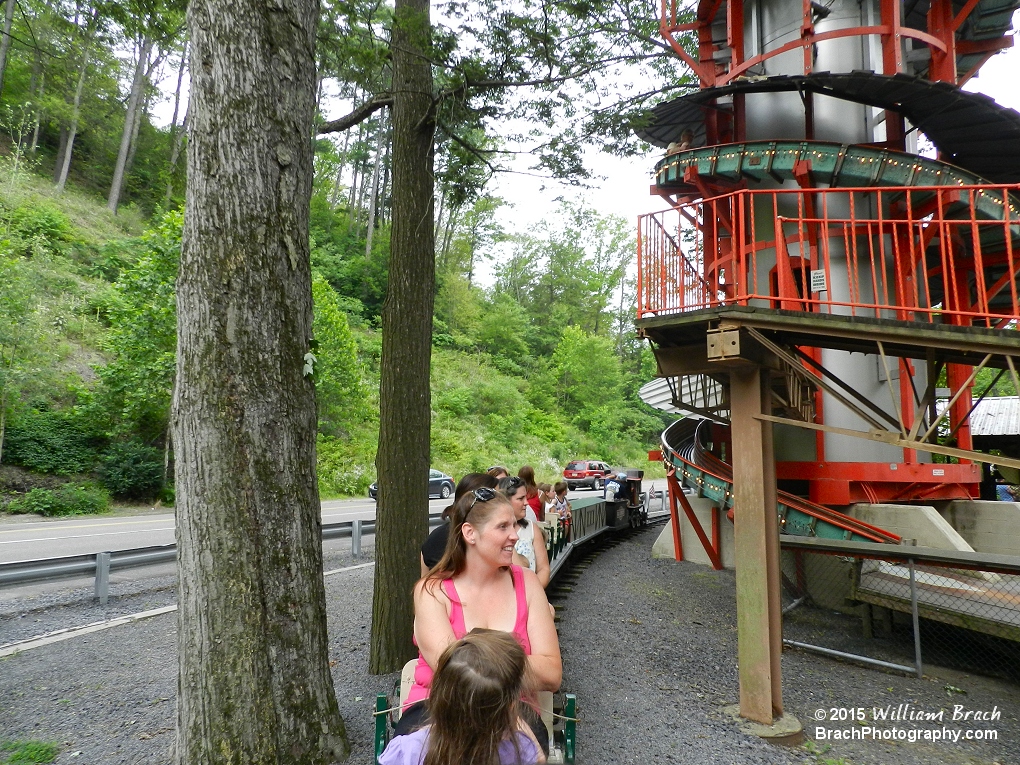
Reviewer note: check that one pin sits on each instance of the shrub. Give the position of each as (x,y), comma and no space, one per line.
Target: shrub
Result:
(49,442)
(29,752)
(340,470)
(132,470)
(69,499)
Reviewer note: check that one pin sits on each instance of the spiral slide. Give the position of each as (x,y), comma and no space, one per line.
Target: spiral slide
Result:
(683,449)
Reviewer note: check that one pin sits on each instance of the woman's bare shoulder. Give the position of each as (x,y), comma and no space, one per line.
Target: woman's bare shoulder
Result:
(430,586)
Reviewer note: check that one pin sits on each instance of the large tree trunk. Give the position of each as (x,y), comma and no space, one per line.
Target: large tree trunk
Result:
(130,118)
(5,43)
(254,685)
(402,461)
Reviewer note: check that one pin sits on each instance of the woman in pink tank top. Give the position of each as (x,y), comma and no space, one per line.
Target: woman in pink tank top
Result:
(476,585)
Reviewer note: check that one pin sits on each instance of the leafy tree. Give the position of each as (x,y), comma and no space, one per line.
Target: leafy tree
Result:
(137,383)
(339,392)
(587,371)
(566,272)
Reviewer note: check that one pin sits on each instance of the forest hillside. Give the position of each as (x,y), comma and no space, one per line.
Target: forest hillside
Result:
(539,367)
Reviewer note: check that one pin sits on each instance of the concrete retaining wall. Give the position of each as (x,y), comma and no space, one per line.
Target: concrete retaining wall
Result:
(989,527)
(920,522)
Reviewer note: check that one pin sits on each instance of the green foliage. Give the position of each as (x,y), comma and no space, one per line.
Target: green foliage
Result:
(50,442)
(132,470)
(587,371)
(29,752)
(69,499)
(134,395)
(345,468)
(340,394)
(37,230)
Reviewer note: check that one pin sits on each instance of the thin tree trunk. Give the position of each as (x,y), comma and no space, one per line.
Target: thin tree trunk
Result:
(133,108)
(376,172)
(254,683)
(175,132)
(3,404)
(360,204)
(58,162)
(175,156)
(133,146)
(72,130)
(37,87)
(402,459)
(5,43)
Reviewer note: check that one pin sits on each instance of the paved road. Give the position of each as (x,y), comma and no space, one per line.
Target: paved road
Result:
(22,539)
(25,539)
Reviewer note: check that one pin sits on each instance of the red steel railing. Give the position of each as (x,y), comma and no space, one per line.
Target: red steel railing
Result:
(948,255)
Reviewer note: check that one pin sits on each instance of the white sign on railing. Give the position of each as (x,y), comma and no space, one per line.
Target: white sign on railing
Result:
(818,283)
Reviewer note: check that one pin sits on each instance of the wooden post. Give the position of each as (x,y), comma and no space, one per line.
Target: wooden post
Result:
(756,544)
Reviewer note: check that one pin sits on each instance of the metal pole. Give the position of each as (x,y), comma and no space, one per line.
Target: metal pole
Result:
(103,577)
(356,538)
(851,656)
(917,625)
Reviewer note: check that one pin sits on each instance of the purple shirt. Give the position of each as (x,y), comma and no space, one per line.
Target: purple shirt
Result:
(410,750)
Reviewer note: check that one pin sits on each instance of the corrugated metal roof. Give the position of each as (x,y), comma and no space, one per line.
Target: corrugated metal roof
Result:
(998,416)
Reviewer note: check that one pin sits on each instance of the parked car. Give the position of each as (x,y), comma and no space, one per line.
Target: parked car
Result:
(588,473)
(440,485)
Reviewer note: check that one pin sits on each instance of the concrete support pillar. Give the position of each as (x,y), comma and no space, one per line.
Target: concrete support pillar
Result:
(756,544)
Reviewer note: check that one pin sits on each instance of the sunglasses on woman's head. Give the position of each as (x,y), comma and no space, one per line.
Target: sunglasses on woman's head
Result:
(484,494)
(512,484)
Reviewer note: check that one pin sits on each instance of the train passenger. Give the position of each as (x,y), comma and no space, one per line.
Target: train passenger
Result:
(561,505)
(531,540)
(434,547)
(545,493)
(475,707)
(527,474)
(476,584)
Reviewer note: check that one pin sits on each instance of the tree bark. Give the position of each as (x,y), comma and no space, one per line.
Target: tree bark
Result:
(254,685)
(402,461)
(132,115)
(5,43)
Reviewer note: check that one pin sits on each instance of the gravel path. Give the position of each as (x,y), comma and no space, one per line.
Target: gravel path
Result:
(649,647)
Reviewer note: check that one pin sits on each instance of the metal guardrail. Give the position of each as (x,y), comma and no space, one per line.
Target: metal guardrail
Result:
(589,520)
(102,563)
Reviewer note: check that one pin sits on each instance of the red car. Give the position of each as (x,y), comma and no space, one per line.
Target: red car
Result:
(587,473)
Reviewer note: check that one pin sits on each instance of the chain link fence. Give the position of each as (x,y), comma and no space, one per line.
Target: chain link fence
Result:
(902,607)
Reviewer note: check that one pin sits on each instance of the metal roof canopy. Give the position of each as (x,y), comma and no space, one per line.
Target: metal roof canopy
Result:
(970,129)
(996,416)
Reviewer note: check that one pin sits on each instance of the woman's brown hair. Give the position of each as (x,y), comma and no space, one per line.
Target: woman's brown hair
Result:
(527,474)
(474,507)
(474,700)
(468,483)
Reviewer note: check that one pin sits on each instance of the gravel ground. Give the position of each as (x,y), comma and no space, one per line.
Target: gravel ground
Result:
(648,646)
